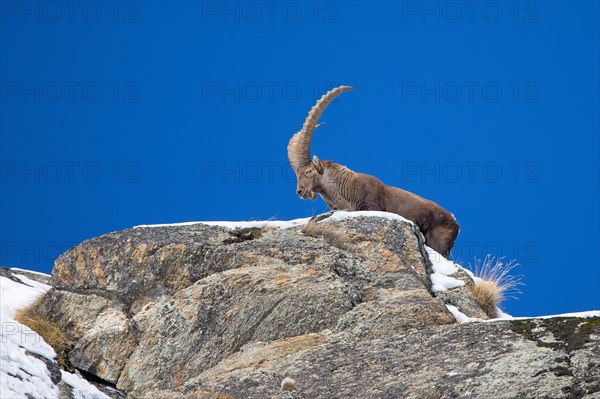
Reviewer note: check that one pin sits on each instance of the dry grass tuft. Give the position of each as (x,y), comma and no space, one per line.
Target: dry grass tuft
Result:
(47,329)
(494,283)
(328,233)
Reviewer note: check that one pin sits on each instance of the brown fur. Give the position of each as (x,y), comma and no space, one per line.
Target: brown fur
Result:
(342,188)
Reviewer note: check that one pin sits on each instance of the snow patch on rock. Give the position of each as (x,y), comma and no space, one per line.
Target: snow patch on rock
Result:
(22,374)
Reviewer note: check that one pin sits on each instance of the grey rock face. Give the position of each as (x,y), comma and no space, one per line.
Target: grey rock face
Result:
(475,360)
(209,312)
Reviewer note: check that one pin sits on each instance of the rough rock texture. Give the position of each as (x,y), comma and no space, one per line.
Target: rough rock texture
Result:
(346,312)
(475,360)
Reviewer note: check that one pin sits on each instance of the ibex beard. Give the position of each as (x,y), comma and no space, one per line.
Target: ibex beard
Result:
(341,188)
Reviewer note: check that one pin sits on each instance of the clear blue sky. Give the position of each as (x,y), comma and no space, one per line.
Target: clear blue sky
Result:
(115,114)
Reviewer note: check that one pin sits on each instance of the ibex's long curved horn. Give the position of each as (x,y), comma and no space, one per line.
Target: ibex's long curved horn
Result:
(299,145)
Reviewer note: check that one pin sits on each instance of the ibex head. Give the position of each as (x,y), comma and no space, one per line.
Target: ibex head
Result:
(309,179)
(309,172)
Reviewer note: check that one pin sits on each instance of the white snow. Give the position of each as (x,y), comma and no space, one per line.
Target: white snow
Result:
(17,269)
(81,388)
(341,215)
(463,318)
(460,316)
(441,282)
(500,314)
(234,225)
(20,373)
(16,296)
(283,224)
(585,314)
(442,270)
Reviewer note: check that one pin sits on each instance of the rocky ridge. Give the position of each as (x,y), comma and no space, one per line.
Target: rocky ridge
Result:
(344,310)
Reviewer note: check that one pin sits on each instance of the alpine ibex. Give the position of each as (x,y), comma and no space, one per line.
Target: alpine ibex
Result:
(344,189)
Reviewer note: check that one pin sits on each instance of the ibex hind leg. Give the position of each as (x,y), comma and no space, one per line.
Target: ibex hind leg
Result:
(441,238)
